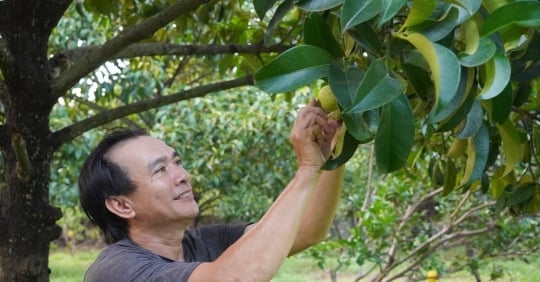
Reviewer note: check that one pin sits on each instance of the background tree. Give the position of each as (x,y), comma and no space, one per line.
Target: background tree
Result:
(106,61)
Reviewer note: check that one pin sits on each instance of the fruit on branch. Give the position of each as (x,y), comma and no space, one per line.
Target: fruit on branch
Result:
(329,103)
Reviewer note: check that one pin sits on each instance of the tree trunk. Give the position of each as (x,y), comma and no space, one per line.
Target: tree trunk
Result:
(27,221)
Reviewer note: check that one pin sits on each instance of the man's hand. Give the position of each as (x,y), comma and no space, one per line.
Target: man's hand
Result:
(312,136)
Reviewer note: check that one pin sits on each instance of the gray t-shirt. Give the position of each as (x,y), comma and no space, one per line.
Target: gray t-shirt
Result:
(126,261)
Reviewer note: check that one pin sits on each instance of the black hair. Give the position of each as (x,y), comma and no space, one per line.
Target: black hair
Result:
(101,178)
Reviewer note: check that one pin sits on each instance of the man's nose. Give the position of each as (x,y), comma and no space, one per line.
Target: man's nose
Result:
(181,175)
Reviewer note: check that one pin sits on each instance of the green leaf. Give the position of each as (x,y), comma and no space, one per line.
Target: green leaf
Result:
(465,84)
(419,79)
(513,144)
(478,152)
(376,89)
(280,13)
(444,65)
(420,11)
(437,29)
(522,195)
(355,12)
(501,105)
(456,118)
(293,68)
(484,52)
(262,6)
(344,79)
(395,136)
(318,5)
(473,122)
(471,6)
(358,127)
(364,35)
(497,75)
(389,9)
(521,13)
(349,147)
(318,33)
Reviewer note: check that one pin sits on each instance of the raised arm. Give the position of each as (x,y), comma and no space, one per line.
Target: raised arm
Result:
(321,210)
(258,254)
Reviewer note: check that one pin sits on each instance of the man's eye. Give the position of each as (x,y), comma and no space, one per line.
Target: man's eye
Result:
(160,169)
(178,162)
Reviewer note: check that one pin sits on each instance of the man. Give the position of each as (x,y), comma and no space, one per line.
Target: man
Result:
(135,189)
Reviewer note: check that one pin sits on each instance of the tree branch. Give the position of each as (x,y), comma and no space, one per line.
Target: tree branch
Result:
(156,49)
(85,64)
(70,132)
(432,249)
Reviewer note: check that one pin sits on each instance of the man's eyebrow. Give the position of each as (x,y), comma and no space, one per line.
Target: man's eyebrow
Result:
(162,159)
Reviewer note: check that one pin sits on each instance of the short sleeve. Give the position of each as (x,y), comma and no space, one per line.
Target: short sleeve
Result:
(126,262)
(207,243)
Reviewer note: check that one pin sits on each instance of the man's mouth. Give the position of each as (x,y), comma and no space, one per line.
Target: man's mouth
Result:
(184,195)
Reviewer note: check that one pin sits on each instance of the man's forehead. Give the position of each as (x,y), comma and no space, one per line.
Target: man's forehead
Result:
(140,147)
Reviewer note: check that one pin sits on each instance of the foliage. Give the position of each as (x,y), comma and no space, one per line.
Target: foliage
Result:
(398,226)
(453,80)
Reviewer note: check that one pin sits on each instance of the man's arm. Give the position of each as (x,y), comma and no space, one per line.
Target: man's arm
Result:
(321,210)
(258,254)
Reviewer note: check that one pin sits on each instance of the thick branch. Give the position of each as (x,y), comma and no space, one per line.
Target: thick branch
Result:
(158,49)
(69,133)
(84,65)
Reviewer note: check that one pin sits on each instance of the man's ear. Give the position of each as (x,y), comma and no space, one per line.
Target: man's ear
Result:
(121,206)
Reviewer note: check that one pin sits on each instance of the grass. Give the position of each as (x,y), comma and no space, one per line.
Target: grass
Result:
(70,267)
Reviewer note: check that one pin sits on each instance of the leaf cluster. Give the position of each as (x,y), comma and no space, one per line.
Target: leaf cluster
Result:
(456,81)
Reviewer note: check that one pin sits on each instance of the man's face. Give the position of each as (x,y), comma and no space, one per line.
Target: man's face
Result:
(163,192)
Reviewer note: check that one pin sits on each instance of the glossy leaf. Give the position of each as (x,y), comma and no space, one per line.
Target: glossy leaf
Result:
(318,33)
(497,75)
(280,13)
(262,6)
(521,195)
(478,152)
(350,144)
(501,105)
(389,9)
(513,145)
(293,68)
(521,13)
(437,29)
(318,5)
(358,127)
(471,6)
(466,83)
(355,12)
(473,122)
(419,79)
(420,11)
(395,136)
(376,89)
(444,65)
(344,79)
(364,35)
(483,53)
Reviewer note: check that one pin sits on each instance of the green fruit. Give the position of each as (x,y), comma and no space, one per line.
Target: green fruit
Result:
(327,100)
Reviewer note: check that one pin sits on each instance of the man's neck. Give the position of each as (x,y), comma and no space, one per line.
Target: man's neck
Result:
(167,244)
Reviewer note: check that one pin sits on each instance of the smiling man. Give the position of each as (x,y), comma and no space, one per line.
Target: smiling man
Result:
(133,186)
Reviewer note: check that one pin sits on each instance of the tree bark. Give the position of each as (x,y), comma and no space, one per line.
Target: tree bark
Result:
(26,218)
